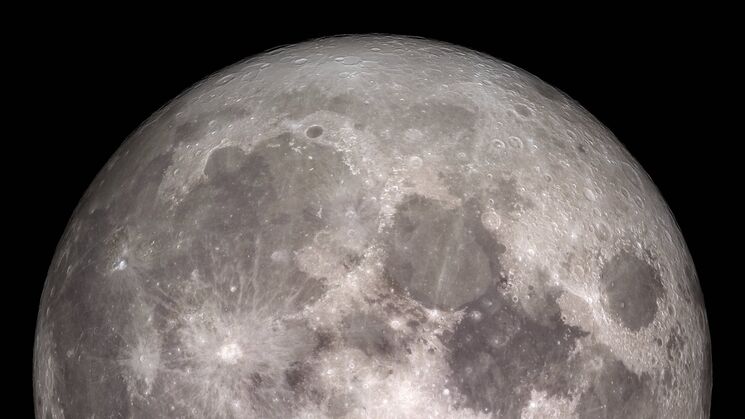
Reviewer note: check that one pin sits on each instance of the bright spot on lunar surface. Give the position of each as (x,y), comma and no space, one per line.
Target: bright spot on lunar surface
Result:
(372,226)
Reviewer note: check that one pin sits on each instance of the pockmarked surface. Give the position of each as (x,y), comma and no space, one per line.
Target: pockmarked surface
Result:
(372,226)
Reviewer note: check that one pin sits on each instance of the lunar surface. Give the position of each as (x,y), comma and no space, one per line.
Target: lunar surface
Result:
(372,226)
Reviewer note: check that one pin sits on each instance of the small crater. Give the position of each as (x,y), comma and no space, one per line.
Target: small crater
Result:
(667,379)
(523,110)
(280,256)
(515,142)
(674,346)
(314,132)
(632,174)
(224,79)
(547,91)
(495,147)
(415,162)
(639,201)
(351,60)
(589,194)
(491,220)
(602,231)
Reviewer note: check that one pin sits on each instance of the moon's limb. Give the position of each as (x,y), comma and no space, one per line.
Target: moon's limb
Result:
(372,227)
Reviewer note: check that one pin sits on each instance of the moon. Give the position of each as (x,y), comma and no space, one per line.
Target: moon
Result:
(372,227)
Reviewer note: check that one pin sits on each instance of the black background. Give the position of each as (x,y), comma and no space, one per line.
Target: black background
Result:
(659,84)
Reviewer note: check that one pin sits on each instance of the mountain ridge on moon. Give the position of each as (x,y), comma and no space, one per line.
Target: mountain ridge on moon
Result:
(372,226)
